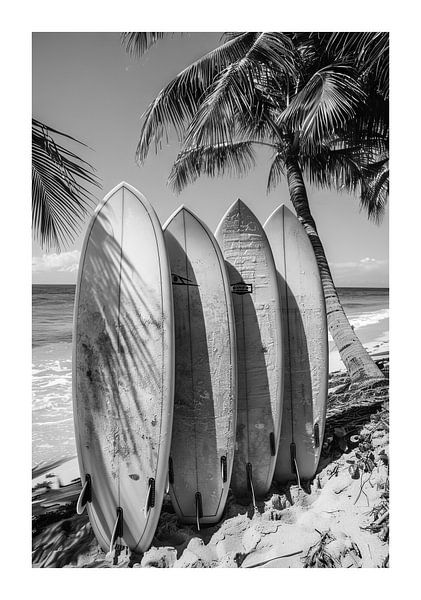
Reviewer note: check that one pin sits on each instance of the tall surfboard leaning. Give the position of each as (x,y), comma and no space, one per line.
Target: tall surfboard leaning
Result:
(203,440)
(305,348)
(123,368)
(257,312)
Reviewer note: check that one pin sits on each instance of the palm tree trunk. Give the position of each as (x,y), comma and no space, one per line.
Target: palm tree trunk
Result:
(360,366)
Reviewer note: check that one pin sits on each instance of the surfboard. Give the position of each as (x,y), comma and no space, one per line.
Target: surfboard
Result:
(203,438)
(123,370)
(255,295)
(305,347)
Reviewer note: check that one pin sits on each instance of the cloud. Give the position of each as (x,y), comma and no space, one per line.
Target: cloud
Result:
(65,262)
(367,271)
(365,264)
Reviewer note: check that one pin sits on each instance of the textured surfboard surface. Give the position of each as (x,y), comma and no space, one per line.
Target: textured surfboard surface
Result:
(305,344)
(256,301)
(123,366)
(205,372)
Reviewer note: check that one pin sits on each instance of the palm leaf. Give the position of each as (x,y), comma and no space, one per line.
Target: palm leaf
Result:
(178,103)
(234,158)
(334,167)
(136,43)
(238,89)
(370,51)
(327,102)
(276,171)
(61,198)
(375,189)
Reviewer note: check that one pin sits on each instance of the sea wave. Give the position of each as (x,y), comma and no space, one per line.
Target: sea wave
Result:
(369,318)
(43,423)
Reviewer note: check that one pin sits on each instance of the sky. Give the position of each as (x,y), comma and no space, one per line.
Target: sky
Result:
(86,85)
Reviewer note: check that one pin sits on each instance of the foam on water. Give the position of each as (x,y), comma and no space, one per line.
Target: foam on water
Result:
(52,412)
(364,319)
(369,318)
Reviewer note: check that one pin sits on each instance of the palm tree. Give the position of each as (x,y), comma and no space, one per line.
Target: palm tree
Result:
(316,112)
(60,198)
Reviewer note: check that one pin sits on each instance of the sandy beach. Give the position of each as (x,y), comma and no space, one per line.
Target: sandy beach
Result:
(339,520)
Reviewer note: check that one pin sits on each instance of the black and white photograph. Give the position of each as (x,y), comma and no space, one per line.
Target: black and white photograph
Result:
(210,299)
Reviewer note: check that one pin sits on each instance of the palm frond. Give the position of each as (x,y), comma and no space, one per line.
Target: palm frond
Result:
(230,67)
(337,167)
(136,43)
(235,89)
(375,189)
(327,101)
(231,95)
(276,172)
(61,197)
(232,158)
(370,125)
(177,102)
(370,51)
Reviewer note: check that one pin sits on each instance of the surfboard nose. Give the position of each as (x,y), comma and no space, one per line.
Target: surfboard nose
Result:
(238,211)
(279,211)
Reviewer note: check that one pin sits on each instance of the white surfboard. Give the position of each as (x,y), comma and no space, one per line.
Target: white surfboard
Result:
(306,347)
(203,439)
(123,370)
(256,300)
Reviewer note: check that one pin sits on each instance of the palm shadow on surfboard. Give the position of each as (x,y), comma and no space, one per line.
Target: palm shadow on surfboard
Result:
(205,372)
(122,382)
(305,345)
(255,420)
(257,311)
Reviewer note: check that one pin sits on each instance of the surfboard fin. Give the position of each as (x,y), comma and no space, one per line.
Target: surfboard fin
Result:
(170,471)
(224,469)
(272,443)
(199,511)
(294,466)
(316,432)
(150,498)
(118,528)
(249,471)
(85,495)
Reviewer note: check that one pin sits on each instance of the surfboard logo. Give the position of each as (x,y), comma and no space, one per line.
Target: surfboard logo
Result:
(179,280)
(241,288)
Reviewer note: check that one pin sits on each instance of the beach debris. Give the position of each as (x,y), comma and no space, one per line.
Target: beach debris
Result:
(385,563)
(268,560)
(380,523)
(159,558)
(354,440)
(277,502)
(354,471)
(61,544)
(333,550)
(318,557)
(334,471)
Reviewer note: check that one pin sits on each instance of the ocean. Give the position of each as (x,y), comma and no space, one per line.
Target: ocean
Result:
(52,315)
